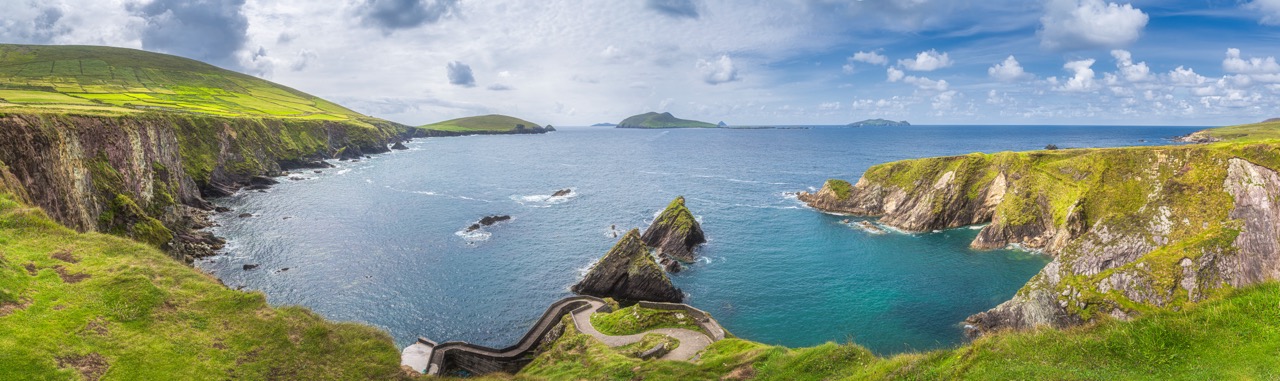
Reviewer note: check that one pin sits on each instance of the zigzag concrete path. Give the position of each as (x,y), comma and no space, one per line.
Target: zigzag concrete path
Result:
(422,356)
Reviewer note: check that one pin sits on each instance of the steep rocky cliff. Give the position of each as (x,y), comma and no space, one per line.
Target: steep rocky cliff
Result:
(628,272)
(1130,230)
(675,233)
(145,176)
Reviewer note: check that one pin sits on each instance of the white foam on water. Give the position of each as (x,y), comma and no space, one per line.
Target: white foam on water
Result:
(544,200)
(474,235)
(342,171)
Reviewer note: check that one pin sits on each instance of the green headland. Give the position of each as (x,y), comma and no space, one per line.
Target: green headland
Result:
(663,120)
(487,124)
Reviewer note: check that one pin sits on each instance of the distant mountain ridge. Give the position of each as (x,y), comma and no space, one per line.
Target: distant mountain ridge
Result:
(878,123)
(663,120)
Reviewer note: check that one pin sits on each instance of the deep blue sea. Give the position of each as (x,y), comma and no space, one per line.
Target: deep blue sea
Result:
(379,241)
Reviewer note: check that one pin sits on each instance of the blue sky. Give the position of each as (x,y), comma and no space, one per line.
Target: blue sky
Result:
(1207,62)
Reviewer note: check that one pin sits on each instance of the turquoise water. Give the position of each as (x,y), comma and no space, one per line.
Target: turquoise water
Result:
(378,241)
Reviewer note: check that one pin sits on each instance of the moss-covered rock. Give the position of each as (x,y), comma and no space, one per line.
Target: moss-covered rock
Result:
(628,272)
(674,234)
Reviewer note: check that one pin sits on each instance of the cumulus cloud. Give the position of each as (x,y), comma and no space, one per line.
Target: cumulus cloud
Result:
(208,30)
(1082,78)
(1130,71)
(1269,10)
(1087,24)
(895,75)
(829,106)
(1009,71)
(304,58)
(1185,76)
(874,58)
(674,8)
(926,83)
(927,61)
(390,15)
(719,71)
(460,74)
(30,22)
(1254,65)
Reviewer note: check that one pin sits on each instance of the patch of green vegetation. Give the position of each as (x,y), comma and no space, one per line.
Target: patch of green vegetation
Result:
(634,319)
(146,316)
(1269,130)
(650,341)
(115,81)
(842,188)
(677,217)
(663,120)
(485,123)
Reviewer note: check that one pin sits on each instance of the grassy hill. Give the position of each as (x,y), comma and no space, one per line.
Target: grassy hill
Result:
(663,120)
(114,81)
(482,124)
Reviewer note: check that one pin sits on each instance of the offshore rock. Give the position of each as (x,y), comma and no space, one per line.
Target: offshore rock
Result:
(675,233)
(628,272)
(399,146)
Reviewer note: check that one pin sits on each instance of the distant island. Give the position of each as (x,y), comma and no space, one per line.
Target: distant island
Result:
(663,120)
(604,125)
(485,124)
(878,123)
(722,124)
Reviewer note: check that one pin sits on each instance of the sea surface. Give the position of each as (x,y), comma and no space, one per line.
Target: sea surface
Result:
(382,240)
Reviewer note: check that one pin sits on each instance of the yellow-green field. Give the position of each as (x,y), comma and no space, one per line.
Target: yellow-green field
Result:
(103,80)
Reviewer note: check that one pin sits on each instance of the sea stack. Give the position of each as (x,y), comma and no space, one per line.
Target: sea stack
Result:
(674,234)
(628,272)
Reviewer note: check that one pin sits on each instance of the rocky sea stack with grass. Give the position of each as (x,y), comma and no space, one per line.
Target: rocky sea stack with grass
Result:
(675,234)
(628,272)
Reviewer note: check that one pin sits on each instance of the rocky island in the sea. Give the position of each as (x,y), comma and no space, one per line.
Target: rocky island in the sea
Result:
(482,125)
(663,120)
(628,272)
(674,234)
(878,123)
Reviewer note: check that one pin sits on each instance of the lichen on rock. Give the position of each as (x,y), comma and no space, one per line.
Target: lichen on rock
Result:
(629,272)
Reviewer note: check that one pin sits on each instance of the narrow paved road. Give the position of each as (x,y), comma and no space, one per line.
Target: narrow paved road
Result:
(691,342)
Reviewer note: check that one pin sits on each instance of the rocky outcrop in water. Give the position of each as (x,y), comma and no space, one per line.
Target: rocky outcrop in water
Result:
(488,221)
(628,272)
(1130,230)
(562,193)
(674,234)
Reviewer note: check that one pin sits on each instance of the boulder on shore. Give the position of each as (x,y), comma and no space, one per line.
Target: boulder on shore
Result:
(628,272)
(675,233)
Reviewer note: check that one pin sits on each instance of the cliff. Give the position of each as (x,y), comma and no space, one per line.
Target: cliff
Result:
(663,120)
(1130,230)
(628,272)
(146,176)
(675,233)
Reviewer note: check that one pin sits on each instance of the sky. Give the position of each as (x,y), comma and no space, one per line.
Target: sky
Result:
(578,62)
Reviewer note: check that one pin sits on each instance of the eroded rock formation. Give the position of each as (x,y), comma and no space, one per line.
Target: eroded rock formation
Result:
(628,272)
(674,234)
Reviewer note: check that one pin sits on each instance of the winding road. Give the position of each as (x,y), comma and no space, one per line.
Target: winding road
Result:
(428,357)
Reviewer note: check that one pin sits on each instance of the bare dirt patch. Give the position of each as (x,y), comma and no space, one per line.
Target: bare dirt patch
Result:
(65,255)
(7,308)
(91,366)
(96,326)
(31,268)
(69,277)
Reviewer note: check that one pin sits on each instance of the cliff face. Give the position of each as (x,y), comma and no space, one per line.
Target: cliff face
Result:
(145,176)
(1130,230)
(628,272)
(675,233)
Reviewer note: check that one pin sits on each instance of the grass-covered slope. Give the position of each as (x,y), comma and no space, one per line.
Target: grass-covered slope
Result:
(114,81)
(87,305)
(485,124)
(663,120)
(1233,337)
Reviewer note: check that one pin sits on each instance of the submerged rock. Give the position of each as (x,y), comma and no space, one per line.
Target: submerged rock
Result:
(628,272)
(675,233)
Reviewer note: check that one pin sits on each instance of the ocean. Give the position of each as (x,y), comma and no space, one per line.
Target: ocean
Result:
(382,241)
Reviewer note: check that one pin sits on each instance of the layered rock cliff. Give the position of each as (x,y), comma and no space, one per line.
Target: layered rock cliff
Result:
(1130,230)
(146,176)
(628,272)
(674,234)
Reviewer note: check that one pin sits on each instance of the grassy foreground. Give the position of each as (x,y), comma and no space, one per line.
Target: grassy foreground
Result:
(93,306)
(100,80)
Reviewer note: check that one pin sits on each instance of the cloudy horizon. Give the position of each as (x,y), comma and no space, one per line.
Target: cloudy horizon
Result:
(768,62)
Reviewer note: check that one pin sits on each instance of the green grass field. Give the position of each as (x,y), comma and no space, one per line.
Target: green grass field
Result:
(1254,131)
(484,123)
(113,81)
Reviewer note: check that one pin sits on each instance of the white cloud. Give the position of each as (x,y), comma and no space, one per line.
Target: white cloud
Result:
(1254,65)
(1009,71)
(1082,78)
(719,71)
(1269,10)
(829,106)
(874,58)
(1086,24)
(895,75)
(1185,76)
(1132,72)
(927,61)
(926,83)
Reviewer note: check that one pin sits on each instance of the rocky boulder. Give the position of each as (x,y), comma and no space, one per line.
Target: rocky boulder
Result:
(675,233)
(628,272)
